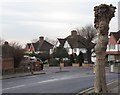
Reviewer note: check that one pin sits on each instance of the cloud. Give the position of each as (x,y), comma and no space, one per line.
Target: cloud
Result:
(27,19)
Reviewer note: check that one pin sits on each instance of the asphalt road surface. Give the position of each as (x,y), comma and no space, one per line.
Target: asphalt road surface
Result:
(70,80)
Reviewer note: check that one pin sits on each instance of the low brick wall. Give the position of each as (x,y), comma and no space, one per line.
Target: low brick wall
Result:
(61,65)
(87,65)
(7,63)
(75,64)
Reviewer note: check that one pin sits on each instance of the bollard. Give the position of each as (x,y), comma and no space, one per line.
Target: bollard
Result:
(112,68)
(94,69)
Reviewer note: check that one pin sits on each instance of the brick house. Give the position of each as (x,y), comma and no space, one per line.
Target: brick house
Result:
(41,46)
(113,47)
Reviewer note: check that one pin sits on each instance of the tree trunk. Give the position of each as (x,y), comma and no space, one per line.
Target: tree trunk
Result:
(103,15)
(100,79)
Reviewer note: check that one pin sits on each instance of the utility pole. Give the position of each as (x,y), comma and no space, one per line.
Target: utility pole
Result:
(103,15)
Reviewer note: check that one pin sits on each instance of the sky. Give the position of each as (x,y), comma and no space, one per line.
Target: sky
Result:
(25,20)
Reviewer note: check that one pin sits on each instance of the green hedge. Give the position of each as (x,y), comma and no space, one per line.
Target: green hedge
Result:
(67,63)
(53,62)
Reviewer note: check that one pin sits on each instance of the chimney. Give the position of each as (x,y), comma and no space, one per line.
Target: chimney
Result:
(74,33)
(6,43)
(41,38)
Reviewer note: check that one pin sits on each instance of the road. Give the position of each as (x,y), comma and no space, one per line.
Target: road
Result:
(70,80)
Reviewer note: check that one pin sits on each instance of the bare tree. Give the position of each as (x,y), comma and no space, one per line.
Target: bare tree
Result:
(103,15)
(88,32)
(16,45)
(1,41)
(17,52)
(1,44)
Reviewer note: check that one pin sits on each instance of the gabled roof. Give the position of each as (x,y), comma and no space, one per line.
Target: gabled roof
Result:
(35,45)
(28,44)
(44,46)
(61,41)
(79,42)
(41,45)
(116,35)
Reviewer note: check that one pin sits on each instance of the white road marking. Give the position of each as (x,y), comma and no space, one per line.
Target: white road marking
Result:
(50,80)
(112,81)
(64,78)
(32,76)
(92,88)
(13,87)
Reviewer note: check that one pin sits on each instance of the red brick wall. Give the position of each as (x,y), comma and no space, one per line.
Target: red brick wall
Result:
(7,63)
(112,40)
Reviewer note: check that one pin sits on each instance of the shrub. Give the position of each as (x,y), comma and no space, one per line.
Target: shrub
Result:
(54,62)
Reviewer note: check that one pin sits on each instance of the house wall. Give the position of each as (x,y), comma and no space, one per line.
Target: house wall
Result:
(70,51)
(27,48)
(77,50)
(32,48)
(113,53)
(112,40)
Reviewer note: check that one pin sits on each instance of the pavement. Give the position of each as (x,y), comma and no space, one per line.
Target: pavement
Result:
(113,89)
(46,70)
(113,86)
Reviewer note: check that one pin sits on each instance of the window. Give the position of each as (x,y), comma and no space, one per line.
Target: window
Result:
(118,47)
(111,57)
(51,51)
(112,46)
(75,50)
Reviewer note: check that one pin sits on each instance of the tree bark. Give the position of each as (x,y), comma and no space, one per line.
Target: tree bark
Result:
(100,79)
(103,15)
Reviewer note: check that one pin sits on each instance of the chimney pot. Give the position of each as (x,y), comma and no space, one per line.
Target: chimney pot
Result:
(6,43)
(41,38)
(73,32)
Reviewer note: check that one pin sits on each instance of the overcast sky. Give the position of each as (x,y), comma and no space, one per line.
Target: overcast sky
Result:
(25,20)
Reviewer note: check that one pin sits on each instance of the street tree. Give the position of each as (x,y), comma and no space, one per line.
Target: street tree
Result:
(60,52)
(103,15)
(88,32)
(43,56)
(1,41)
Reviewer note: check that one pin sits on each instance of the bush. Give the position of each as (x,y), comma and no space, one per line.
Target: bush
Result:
(7,72)
(67,63)
(53,62)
